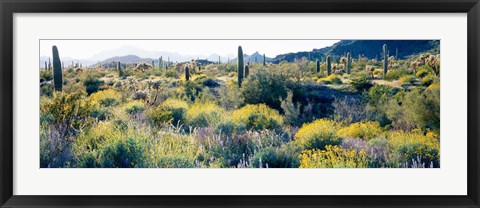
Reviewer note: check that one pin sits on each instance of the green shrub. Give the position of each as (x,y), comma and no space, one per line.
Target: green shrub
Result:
(265,87)
(286,156)
(381,92)
(69,111)
(123,154)
(291,110)
(92,84)
(258,117)
(361,82)
(134,107)
(101,113)
(206,81)
(46,76)
(230,96)
(396,74)
(417,108)
(46,89)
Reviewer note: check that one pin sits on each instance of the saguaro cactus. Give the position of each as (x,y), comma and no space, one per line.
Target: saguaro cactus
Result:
(318,66)
(349,63)
(187,73)
(57,70)
(153,64)
(46,66)
(240,66)
(219,61)
(247,71)
(329,65)
(264,61)
(120,70)
(160,62)
(385,60)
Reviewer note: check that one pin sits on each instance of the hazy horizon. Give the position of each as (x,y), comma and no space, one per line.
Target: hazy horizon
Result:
(103,49)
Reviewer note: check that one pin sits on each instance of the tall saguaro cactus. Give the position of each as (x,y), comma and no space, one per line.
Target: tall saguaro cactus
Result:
(264,61)
(240,66)
(349,63)
(160,64)
(329,65)
(187,73)
(385,60)
(153,64)
(120,70)
(247,71)
(57,70)
(46,66)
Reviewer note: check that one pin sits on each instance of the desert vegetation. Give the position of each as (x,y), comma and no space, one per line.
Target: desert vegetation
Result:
(329,111)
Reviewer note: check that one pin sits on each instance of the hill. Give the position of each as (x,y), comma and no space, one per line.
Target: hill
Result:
(369,48)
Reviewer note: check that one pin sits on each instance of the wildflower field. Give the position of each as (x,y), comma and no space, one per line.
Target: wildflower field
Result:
(317,110)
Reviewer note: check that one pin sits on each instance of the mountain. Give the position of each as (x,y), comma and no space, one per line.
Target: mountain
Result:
(255,57)
(373,48)
(129,59)
(131,50)
(369,48)
(67,61)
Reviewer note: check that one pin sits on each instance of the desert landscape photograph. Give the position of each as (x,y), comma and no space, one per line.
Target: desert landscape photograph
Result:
(239,103)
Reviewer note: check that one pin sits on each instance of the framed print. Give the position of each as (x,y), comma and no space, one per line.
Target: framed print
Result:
(247,104)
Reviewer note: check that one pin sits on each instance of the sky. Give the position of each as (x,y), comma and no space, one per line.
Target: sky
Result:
(93,49)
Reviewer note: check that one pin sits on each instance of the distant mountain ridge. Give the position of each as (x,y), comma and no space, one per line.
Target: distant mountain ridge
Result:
(368,48)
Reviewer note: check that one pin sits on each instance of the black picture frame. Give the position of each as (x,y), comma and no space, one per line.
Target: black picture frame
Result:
(9,7)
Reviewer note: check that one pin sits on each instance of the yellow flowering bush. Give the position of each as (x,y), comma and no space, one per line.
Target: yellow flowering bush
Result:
(333,157)
(415,146)
(331,79)
(363,130)
(204,114)
(257,117)
(106,98)
(318,134)
(171,110)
